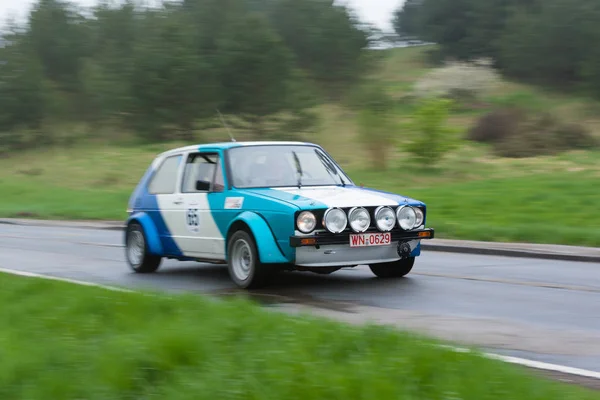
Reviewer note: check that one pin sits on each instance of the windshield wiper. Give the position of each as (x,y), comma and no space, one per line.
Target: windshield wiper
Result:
(299,173)
(330,167)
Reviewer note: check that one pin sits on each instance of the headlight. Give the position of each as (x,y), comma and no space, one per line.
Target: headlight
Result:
(306,222)
(420,217)
(385,218)
(407,217)
(335,220)
(359,219)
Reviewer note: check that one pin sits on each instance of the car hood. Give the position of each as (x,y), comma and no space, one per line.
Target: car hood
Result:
(334,196)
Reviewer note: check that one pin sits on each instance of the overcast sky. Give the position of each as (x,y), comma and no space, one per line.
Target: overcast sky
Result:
(374,11)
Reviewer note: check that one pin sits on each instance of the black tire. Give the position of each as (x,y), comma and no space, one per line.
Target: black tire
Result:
(396,269)
(144,262)
(243,262)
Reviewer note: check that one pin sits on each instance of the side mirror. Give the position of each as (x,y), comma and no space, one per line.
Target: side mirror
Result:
(202,186)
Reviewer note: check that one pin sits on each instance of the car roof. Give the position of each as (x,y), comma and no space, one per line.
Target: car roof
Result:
(230,145)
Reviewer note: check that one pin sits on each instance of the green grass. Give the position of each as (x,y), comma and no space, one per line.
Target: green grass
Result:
(537,208)
(61,341)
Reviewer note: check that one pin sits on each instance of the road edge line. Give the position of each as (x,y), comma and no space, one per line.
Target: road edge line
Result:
(540,365)
(66,280)
(487,251)
(508,359)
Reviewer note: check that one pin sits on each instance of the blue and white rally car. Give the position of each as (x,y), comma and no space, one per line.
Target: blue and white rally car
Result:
(265,206)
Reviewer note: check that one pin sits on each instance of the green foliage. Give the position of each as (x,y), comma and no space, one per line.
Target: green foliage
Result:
(59,40)
(429,136)
(172,85)
(164,71)
(528,202)
(21,88)
(406,21)
(64,341)
(376,131)
(542,42)
(256,73)
(326,40)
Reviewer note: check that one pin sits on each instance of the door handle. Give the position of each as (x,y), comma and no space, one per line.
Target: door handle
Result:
(178,202)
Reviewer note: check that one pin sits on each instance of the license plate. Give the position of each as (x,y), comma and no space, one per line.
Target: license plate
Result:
(370,239)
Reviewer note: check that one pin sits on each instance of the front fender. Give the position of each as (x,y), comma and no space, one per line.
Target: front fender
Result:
(155,246)
(268,250)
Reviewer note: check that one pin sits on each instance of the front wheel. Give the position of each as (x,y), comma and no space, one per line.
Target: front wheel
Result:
(136,250)
(396,269)
(243,263)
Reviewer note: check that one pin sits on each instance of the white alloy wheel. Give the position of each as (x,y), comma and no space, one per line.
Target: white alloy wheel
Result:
(241,259)
(243,262)
(136,247)
(136,250)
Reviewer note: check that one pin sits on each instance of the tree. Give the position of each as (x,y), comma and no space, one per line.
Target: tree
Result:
(21,90)
(108,72)
(430,137)
(257,73)
(172,84)
(549,45)
(406,21)
(374,108)
(326,39)
(58,37)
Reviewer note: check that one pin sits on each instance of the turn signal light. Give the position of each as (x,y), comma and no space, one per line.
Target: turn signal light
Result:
(425,234)
(308,242)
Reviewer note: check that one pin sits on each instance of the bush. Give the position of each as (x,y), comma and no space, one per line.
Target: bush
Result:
(431,136)
(515,133)
(496,125)
(576,136)
(457,81)
(375,126)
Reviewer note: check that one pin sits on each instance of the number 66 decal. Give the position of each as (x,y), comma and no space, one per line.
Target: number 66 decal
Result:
(192,219)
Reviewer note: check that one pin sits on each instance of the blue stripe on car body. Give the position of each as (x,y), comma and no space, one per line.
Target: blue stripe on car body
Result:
(145,210)
(276,208)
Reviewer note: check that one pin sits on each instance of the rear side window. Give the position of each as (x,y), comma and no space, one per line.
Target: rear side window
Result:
(164,180)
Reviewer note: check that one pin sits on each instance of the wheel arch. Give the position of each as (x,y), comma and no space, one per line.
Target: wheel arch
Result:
(150,231)
(256,226)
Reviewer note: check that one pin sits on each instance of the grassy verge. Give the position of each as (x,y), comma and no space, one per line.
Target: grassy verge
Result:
(69,342)
(551,208)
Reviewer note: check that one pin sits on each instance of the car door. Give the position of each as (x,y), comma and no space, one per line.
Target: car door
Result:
(202,192)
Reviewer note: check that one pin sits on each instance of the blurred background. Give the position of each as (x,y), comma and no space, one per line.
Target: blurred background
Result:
(486,110)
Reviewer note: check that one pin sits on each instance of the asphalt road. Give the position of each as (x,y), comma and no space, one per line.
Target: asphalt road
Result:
(542,310)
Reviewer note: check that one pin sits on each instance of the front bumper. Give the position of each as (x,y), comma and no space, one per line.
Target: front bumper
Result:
(344,238)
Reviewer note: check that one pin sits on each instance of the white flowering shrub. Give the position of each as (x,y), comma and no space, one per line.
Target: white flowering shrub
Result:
(472,79)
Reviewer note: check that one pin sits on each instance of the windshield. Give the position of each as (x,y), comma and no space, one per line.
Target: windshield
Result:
(283,166)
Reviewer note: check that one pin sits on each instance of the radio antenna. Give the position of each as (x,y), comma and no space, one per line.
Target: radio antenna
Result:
(225,125)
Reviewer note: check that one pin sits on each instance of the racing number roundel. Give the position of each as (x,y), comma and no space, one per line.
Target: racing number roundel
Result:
(192,219)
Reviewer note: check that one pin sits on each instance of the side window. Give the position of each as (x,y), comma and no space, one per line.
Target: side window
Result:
(164,179)
(199,167)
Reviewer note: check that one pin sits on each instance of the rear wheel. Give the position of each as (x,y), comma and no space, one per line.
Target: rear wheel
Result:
(396,269)
(136,251)
(245,268)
